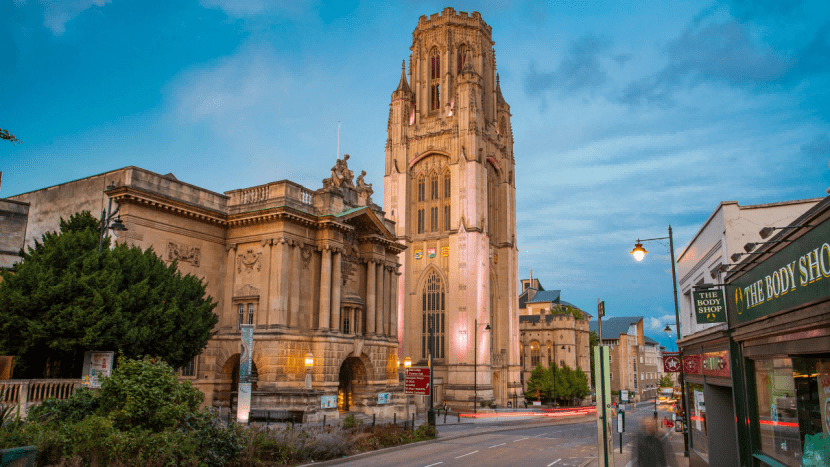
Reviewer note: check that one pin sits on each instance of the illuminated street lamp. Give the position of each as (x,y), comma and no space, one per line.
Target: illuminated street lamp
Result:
(309,364)
(639,253)
(475,363)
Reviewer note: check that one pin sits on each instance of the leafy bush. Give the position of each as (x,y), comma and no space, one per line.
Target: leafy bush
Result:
(146,394)
(74,409)
(290,446)
(216,443)
(349,421)
(425,432)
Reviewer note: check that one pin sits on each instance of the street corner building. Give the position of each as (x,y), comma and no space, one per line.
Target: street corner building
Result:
(449,187)
(313,271)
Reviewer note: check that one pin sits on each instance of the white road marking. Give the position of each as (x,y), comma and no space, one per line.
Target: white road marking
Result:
(459,457)
(557,460)
(430,465)
(502,444)
(517,440)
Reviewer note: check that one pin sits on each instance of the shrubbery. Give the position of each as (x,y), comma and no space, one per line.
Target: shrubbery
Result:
(144,417)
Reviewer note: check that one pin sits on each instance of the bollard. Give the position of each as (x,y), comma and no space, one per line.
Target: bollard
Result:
(395,418)
(458,414)
(413,422)
(373,420)
(324,419)
(445,416)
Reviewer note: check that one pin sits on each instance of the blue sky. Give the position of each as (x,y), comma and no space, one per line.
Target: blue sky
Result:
(627,117)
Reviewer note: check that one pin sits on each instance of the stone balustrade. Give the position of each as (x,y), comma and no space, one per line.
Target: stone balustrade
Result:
(24,393)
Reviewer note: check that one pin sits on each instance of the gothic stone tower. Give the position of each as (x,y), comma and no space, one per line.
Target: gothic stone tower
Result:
(449,186)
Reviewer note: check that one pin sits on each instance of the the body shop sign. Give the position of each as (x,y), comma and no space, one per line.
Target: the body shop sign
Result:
(799,273)
(710,307)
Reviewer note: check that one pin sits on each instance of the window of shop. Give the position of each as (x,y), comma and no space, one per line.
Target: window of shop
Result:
(793,400)
(697,419)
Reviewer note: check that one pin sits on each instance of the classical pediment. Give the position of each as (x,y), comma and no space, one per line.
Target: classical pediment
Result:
(366,222)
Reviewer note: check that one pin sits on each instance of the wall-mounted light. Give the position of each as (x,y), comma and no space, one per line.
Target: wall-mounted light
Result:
(407,362)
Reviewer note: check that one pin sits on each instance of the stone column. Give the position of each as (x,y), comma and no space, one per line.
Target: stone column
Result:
(387,300)
(285,273)
(336,284)
(379,302)
(228,315)
(371,288)
(264,316)
(393,321)
(325,290)
(296,266)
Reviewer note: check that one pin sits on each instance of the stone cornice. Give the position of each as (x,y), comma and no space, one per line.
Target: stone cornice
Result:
(131,195)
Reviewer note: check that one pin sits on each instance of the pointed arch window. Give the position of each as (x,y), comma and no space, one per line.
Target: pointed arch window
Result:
(447,194)
(534,354)
(492,201)
(435,80)
(433,305)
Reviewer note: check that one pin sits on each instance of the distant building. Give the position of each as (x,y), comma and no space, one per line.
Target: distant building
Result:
(552,331)
(634,357)
(13,219)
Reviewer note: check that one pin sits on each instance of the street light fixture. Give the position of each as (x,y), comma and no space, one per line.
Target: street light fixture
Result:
(106,216)
(309,364)
(639,253)
(475,364)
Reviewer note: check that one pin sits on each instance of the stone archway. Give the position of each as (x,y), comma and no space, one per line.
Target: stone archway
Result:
(230,371)
(352,382)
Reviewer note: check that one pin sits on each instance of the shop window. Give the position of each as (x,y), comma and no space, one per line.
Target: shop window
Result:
(697,418)
(793,401)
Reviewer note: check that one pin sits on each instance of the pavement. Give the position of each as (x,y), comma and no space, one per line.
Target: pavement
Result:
(505,421)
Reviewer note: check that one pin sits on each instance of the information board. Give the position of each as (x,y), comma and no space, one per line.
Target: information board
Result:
(417,381)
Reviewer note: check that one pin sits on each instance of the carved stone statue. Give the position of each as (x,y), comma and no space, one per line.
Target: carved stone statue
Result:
(364,190)
(340,174)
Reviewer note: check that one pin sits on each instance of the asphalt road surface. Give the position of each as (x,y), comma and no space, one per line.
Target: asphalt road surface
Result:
(530,444)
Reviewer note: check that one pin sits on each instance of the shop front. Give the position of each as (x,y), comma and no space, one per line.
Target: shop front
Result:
(713,439)
(779,320)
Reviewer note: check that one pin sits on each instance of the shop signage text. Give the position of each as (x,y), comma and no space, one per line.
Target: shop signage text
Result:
(789,278)
(710,306)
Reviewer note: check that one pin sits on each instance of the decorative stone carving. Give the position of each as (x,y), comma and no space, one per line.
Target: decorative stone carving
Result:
(305,254)
(247,290)
(249,260)
(183,253)
(364,190)
(341,176)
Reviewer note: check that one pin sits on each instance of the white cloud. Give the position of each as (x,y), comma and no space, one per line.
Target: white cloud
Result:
(56,13)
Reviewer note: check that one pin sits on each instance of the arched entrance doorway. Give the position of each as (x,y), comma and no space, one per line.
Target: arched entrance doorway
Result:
(352,380)
(230,372)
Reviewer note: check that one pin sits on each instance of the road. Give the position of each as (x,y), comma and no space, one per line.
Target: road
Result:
(531,443)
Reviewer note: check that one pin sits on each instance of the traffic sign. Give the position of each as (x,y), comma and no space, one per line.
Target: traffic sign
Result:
(417,381)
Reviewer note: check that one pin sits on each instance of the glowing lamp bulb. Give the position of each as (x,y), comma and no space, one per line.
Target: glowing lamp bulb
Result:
(639,252)
(407,362)
(309,360)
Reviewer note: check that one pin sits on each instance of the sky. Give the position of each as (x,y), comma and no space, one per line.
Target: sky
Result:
(627,117)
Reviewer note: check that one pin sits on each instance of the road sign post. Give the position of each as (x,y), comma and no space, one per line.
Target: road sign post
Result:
(605,440)
(417,381)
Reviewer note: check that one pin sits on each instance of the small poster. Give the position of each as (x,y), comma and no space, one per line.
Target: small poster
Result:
(328,402)
(384,398)
(445,251)
(97,365)
(431,252)
(419,254)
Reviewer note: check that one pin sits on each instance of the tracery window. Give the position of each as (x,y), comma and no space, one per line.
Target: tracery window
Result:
(462,55)
(550,354)
(492,201)
(435,78)
(433,306)
(534,354)
(447,194)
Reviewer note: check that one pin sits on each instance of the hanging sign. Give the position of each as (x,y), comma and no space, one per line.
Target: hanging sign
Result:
(710,306)
(243,407)
(691,364)
(672,363)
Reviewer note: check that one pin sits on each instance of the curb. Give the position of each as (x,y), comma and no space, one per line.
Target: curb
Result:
(513,425)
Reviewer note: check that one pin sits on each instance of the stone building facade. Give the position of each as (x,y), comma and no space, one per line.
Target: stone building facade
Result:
(314,271)
(449,187)
(635,357)
(550,334)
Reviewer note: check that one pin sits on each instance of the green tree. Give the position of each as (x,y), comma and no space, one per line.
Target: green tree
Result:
(4,134)
(666,381)
(540,384)
(64,298)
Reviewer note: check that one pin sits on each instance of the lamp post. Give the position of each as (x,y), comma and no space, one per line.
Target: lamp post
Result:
(309,364)
(475,364)
(639,253)
(106,216)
